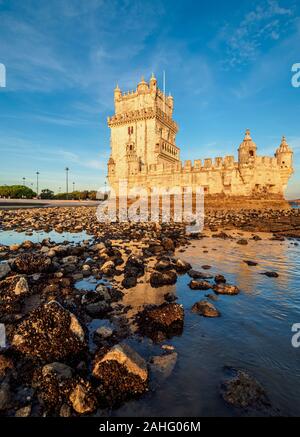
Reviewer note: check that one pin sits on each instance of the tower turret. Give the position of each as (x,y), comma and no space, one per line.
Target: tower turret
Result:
(284,156)
(111,167)
(117,93)
(170,101)
(133,160)
(153,83)
(247,150)
(142,86)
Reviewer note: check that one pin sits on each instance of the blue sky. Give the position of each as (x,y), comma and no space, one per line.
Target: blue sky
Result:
(228,66)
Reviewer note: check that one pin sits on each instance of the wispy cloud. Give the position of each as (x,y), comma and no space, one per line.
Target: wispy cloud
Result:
(267,22)
(97,163)
(56,119)
(38,60)
(23,147)
(273,67)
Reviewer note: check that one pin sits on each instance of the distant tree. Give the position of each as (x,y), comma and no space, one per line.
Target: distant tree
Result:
(5,191)
(60,196)
(92,195)
(84,195)
(47,194)
(77,195)
(16,192)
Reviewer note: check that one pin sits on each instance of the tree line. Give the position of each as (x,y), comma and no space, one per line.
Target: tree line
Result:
(23,192)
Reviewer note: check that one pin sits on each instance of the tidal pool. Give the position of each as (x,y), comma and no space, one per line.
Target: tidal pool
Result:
(13,237)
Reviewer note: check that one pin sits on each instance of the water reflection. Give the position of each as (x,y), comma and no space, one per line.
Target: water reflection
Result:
(144,295)
(253,332)
(8,238)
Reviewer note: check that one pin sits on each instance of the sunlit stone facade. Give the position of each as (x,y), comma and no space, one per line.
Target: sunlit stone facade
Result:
(144,152)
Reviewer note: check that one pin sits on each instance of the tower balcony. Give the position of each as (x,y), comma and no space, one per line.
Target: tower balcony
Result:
(167,150)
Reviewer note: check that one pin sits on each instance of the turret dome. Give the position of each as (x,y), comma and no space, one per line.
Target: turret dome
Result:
(284,147)
(247,149)
(248,142)
(142,86)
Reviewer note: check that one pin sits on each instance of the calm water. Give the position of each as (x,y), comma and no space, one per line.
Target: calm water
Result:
(295,205)
(13,237)
(253,333)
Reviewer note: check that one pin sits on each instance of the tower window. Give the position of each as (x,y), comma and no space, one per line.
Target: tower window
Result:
(251,153)
(130,130)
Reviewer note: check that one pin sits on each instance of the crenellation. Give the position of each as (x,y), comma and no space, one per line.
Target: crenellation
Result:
(207,163)
(229,161)
(145,153)
(197,164)
(218,162)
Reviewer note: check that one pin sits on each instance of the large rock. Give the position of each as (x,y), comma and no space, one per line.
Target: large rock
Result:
(129,281)
(182,266)
(160,322)
(13,290)
(196,274)
(242,241)
(4,269)
(24,411)
(162,366)
(250,263)
(103,292)
(108,268)
(30,263)
(168,244)
(199,285)
(163,264)
(220,279)
(122,372)
(243,391)
(226,289)
(60,370)
(50,333)
(205,308)
(104,332)
(157,279)
(4,396)
(53,383)
(6,364)
(271,274)
(83,399)
(134,266)
(97,309)
(21,286)
(71,259)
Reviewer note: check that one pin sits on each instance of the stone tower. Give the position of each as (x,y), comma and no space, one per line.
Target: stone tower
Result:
(247,150)
(284,156)
(142,131)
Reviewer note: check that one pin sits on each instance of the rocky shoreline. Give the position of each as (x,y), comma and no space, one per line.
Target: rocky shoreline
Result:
(284,222)
(52,363)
